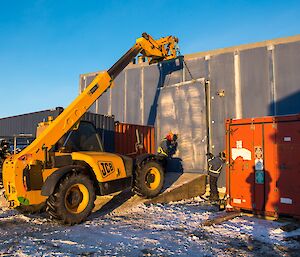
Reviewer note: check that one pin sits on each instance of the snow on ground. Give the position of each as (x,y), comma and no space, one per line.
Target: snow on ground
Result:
(155,230)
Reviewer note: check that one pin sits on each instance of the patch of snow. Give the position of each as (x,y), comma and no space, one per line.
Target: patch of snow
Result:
(173,229)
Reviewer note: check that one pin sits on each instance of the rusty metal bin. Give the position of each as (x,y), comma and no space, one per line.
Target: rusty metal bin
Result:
(132,140)
(263,165)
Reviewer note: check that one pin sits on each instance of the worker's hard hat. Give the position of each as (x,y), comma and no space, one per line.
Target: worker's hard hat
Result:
(171,137)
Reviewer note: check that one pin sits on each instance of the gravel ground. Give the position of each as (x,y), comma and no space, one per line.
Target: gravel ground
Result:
(174,229)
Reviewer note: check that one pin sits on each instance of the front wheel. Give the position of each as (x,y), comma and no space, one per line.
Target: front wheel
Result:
(149,179)
(73,199)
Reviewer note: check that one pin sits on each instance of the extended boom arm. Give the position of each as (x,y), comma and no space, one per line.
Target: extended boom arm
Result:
(154,50)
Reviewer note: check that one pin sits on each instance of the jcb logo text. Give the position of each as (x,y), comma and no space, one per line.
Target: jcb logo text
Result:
(106,168)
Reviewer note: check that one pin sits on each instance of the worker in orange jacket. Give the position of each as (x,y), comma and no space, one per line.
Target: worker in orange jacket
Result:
(168,146)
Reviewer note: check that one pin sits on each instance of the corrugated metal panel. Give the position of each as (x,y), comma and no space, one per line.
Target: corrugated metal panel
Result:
(26,123)
(126,139)
(100,121)
(105,126)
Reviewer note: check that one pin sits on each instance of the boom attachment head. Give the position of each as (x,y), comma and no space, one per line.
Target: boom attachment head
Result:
(165,48)
(155,50)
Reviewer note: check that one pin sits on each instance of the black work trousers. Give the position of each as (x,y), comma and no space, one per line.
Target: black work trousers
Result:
(213,186)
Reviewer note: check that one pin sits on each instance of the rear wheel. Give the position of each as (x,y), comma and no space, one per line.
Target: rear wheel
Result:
(73,199)
(149,179)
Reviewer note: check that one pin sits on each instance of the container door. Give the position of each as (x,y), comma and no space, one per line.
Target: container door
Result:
(271,170)
(245,181)
(288,183)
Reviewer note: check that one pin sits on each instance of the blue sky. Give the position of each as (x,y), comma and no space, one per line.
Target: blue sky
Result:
(46,44)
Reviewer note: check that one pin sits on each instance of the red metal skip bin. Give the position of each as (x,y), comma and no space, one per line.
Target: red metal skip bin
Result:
(132,140)
(263,165)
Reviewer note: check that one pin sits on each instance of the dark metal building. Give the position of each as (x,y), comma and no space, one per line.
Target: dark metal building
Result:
(26,124)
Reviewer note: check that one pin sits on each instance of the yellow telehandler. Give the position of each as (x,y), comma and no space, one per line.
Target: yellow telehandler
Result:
(65,167)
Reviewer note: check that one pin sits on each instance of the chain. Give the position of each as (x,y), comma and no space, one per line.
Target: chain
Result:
(186,66)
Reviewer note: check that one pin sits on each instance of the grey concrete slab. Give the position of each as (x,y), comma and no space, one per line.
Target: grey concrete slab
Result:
(255,86)
(287,78)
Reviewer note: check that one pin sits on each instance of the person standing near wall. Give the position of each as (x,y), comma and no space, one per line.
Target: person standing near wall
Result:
(215,165)
(168,146)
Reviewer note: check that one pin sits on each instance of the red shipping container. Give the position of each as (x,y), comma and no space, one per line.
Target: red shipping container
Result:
(263,165)
(133,139)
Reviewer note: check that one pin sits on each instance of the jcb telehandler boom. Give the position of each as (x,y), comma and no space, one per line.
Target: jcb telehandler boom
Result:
(65,166)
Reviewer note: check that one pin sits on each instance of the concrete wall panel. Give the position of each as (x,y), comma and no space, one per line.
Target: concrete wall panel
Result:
(182,111)
(118,97)
(197,68)
(221,69)
(222,93)
(287,78)
(86,80)
(245,81)
(152,83)
(171,72)
(133,97)
(255,86)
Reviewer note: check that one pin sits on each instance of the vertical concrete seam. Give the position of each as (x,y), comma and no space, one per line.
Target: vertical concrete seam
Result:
(271,81)
(97,105)
(157,129)
(110,102)
(183,72)
(142,97)
(237,85)
(125,97)
(81,78)
(274,82)
(207,84)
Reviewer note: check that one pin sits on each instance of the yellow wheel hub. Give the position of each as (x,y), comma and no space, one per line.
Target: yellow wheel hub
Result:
(153,178)
(77,198)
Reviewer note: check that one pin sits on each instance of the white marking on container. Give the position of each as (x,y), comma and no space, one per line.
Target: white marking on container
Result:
(239,144)
(287,139)
(286,200)
(243,152)
(235,200)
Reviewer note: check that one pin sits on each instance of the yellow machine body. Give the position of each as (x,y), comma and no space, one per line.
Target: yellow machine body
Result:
(105,166)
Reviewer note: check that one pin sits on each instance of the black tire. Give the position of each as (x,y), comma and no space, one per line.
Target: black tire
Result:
(73,199)
(149,179)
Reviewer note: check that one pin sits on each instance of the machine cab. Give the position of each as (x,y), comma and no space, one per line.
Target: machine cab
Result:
(82,137)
